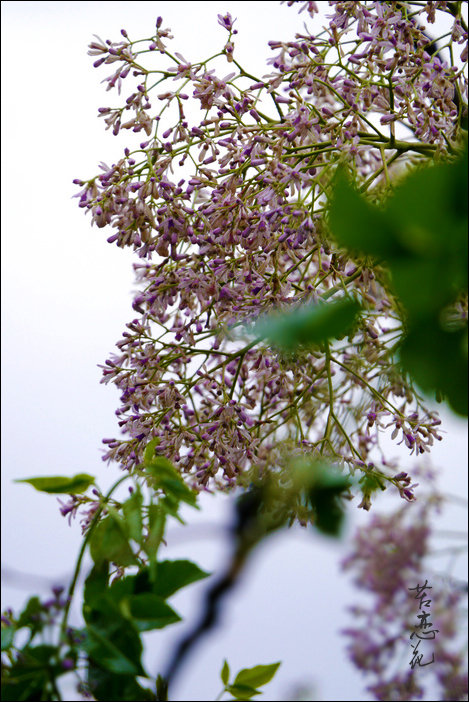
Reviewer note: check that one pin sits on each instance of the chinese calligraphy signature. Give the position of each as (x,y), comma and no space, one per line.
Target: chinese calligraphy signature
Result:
(423,630)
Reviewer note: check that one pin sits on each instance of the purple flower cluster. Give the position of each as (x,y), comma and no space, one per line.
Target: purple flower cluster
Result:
(227,218)
(389,556)
(77,502)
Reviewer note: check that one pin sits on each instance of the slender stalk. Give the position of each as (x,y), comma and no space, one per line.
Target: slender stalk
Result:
(71,589)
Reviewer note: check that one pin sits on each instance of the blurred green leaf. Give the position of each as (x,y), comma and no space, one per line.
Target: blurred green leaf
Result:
(427,208)
(164,476)
(29,678)
(308,324)
(95,587)
(174,575)
(370,483)
(22,684)
(21,688)
(102,611)
(256,676)
(109,543)
(137,597)
(159,467)
(422,235)
(129,598)
(225,672)
(329,513)
(323,484)
(149,453)
(58,484)
(422,219)
(42,655)
(161,688)
(242,692)
(109,687)
(415,282)
(114,645)
(149,611)
(31,616)
(157,520)
(360,226)
(437,358)
(132,509)
(170,505)
(177,489)
(8,635)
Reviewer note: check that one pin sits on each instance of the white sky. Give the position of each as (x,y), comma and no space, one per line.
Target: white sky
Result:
(66,299)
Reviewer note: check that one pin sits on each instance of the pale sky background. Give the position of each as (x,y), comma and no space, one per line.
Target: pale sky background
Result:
(66,299)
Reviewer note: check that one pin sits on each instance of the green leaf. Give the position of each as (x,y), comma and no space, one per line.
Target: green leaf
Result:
(96,585)
(19,689)
(174,575)
(8,634)
(113,688)
(404,228)
(371,483)
(422,235)
(414,281)
(329,514)
(256,676)
(161,688)
(318,475)
(30,675)
(432,230)
(242,692)
(308,324)
(108,543)
(323,483)
(129,598)
(171,505)
(437,359)
(165,477)
(159,467)
(22,684)
(149,453)
(132,509)
(225,673)
(360,226)
(149,611)
(135,601)
(177,489)
(44,654)
(61,484)
(31,616)
(137,597)
(116,648)
(157,520)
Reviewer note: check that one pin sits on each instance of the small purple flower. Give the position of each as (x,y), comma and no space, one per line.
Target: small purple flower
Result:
(226,21)
(409,439)
(69,508)
(387,119)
